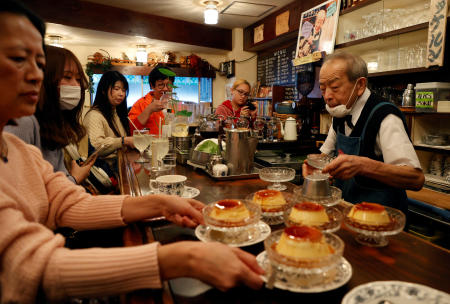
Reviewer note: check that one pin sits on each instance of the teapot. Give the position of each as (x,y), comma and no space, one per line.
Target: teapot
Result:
(289,131)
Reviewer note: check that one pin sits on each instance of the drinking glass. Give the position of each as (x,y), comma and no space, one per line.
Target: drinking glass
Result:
(168,97)
(170,162)
(160,147)
(242,122)
(229,122)
(259,127)
(141,140)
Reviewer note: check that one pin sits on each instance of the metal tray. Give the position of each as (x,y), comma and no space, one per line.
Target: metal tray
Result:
(254,174)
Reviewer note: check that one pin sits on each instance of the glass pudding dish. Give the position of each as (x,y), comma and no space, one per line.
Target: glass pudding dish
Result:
(319,161)
(316,188)
(304,256)
(277,175)
(232,221)
(373,222)
(273,204)
(326,219)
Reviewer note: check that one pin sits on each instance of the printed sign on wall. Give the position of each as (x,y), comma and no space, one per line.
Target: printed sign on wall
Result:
(258,34)
(317,32)
(437,32)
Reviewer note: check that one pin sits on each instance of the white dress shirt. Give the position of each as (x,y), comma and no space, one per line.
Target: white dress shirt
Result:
(392,141)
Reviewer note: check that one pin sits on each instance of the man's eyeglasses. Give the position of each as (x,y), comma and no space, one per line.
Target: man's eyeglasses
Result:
(243,93)
(162,85)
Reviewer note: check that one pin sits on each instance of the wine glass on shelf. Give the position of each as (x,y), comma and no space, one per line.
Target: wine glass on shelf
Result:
(277,175)
(259,125)
(141,140)
(160,147)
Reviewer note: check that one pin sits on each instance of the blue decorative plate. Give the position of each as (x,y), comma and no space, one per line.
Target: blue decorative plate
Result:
(397,292)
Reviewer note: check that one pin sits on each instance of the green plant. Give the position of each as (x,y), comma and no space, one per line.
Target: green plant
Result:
(92,66)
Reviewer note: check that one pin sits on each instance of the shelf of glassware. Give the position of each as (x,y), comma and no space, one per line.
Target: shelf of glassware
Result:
(431,131)
(381,17)
(400,52)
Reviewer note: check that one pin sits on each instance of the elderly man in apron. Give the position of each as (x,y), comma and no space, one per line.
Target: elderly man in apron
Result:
(375,160)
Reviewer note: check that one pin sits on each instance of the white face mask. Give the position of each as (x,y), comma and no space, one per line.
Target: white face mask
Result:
(341,110)
(69,96)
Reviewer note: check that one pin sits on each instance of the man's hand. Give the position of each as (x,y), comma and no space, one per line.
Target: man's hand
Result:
(344,166)
(307,169)
(156,106)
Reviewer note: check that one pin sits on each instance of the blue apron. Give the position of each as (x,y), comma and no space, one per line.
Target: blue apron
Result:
(356,192)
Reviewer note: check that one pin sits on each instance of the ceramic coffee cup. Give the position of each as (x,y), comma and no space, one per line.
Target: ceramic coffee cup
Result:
(168,184)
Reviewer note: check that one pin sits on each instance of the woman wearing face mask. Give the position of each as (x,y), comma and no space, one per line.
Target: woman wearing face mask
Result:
(56,122)
(107,122)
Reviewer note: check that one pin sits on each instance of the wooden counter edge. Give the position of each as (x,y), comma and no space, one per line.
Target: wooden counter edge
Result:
(432,197)
(135,235)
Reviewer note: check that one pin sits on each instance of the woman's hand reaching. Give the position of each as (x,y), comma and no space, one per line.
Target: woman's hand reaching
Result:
(213,263)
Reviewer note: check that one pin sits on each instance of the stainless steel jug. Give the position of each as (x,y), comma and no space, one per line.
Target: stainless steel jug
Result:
(240,150)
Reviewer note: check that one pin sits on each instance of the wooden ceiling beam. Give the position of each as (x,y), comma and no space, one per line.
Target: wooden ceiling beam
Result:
(104,18)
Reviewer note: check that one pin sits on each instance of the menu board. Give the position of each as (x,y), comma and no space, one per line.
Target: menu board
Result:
(275,68)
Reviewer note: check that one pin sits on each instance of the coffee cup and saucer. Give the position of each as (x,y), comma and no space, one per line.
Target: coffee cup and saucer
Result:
(173,185)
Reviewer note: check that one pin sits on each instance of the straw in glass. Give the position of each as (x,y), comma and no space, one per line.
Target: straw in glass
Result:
(133,124)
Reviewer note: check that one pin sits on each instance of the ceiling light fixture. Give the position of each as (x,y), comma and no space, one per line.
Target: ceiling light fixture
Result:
(141,54)
(55,40)
(211,13)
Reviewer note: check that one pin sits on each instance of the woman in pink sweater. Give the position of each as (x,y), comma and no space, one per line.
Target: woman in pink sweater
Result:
(34,201)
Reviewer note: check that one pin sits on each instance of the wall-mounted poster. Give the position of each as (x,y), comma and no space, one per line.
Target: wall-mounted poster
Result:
(317,31)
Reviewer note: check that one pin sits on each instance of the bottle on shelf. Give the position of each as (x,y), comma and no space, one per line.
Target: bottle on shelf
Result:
(408,99)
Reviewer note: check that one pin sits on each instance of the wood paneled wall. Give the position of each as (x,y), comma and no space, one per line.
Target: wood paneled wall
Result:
(270,39)
(121,21)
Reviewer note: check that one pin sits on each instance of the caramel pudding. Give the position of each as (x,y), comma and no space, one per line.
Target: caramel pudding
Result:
(309,214)
(269,200)
(303,242)
(229,210)
(369,214)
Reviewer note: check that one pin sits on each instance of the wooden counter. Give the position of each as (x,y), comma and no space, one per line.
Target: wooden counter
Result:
(431,197)
(406,258)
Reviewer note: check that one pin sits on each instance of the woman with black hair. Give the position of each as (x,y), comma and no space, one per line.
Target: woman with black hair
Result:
(107,122)
(56,122)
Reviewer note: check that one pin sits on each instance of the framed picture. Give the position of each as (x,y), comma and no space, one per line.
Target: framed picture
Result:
(317,31)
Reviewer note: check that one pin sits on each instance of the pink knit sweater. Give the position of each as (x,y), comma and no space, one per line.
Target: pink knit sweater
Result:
(33,201)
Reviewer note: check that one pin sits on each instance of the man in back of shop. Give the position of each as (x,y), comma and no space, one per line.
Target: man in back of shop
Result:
(376,160)
(147,112)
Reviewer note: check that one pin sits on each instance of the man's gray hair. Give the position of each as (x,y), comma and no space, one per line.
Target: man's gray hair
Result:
(356,66)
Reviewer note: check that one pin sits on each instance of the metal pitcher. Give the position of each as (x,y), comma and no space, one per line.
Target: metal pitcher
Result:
(240,151)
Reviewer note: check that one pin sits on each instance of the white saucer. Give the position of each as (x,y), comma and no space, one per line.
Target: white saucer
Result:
(190,192)
(396,292)
(203,234)
(343,275)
